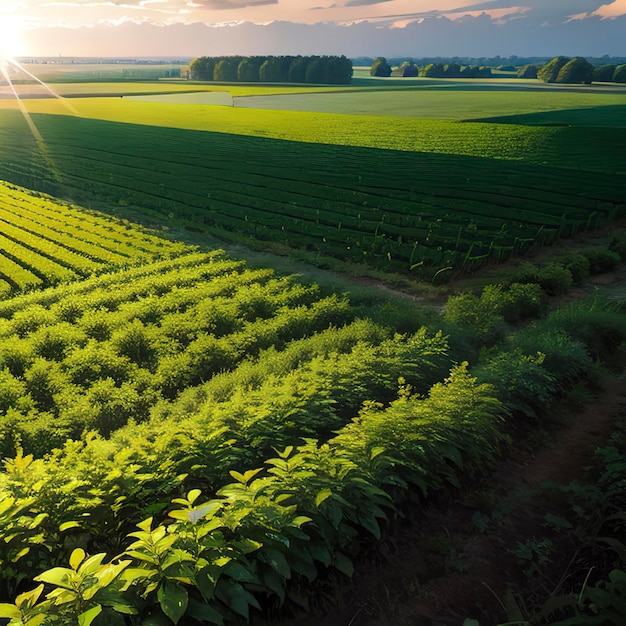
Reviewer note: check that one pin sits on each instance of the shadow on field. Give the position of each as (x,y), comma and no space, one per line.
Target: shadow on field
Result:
(611,116)
(387,208)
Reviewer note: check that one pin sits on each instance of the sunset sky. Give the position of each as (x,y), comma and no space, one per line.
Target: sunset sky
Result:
(351,27)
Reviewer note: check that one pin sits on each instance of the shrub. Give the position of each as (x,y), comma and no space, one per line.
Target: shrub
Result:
(618,243)
(481,317)
(517,302)
(578,266)
(604,73)
(133,341)
(620,74)
(524,385)
(380,67)
(12,393)
(576,70)
(554,279)
(528,71)
(550,71)
(526,273)
(601,259)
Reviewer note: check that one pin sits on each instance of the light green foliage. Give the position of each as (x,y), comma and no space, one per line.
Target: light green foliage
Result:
(59,242)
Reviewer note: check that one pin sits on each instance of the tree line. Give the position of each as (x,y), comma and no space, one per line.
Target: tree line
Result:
(408,69)
(560,69)
(332,70)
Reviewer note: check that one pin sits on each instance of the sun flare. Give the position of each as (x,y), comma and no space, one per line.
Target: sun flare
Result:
(10,40)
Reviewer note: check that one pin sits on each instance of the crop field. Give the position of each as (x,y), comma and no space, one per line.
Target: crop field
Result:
(201,440)
(407,195)
(44,241)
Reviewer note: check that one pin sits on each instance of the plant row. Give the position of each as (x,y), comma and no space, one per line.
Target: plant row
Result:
(54,243)
(452,211)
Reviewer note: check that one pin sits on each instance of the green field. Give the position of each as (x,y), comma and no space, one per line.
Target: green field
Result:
(204,441)
(396,193)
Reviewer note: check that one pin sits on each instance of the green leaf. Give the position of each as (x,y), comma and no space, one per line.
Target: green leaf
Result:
(9,610)
(57,576)
(239,573)
(193,495)
(67,525)
(343,564)
(28,599)
(557,521)
(321,496)
(173,599)
(204,613)
(85,619)
(76,558)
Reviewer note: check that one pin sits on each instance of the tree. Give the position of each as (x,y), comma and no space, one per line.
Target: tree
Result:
(603,73)
(452,70)
(226,69)
(248,70)
(297,70)
(201,68)
(380,67)
(620,74)
(576,70)
(314,71)
(434,70)
(528,71)
(409,70)
(550,71)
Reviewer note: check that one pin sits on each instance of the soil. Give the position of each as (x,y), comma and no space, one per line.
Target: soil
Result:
(454,559)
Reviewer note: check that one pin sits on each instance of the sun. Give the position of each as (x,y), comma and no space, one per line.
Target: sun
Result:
(10,40)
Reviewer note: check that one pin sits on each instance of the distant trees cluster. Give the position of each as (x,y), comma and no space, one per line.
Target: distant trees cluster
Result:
(579,70)
(332,70)
(381,67)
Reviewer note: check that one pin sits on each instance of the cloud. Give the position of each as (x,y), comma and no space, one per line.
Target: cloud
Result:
(362,3)
(227,5)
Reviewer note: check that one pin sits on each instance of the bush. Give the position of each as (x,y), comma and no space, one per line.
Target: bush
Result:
(620,74)
(601,259)
(517,302)
(380,67)
(604,73)
(618,243)
(578,266)
(528,71)
(576,70)
(550,71)
(480,317)
(554,279)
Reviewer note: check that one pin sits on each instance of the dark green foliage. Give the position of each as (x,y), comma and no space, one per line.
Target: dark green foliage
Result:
(617,243)
(550,71)
(433,70)
(553,277)
(314,69)
(515,302)
(528,71)
(225,69)
(619,75)
(380,67)
(578,266)
(598,323)
(452,70)
(601,259)
(409,70)
(603,73)
(248,70)
(576,70)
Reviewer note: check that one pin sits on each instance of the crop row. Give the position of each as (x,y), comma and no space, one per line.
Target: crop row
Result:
(46,242)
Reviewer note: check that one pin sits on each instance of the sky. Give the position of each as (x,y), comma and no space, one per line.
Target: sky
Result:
(391,28)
